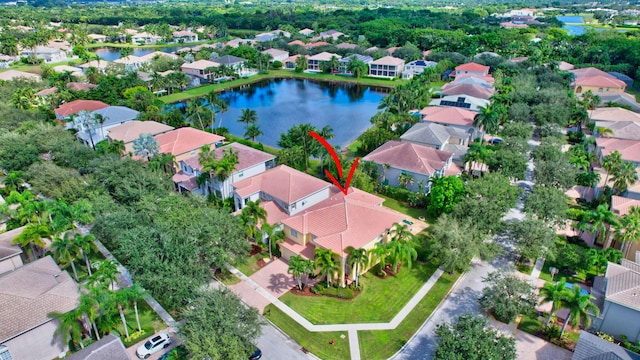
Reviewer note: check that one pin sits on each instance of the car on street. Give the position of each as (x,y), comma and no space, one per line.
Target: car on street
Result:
(153,345)
(256,354)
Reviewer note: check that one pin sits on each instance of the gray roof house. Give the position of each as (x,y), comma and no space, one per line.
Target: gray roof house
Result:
(231,61)
(622,77)
(344,62)
(591,347)
(620,98)
(461,101)
(27,296)
(439,137)
(112,116)
(109,347)
(618,297)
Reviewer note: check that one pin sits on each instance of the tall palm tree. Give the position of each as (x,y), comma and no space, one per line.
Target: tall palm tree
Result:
(590,101)
(623,176)
(248,117)
(301,63)
(358,260)
(629,230)
(401,251)
(405,180)
(610,163)
(381,251)
(488,119)
(579,306)
(106,273)
(195,110)
(225,167)
(13,181)
(86,244)
(357,67)
(90,308)
(66,250)
(325,260)
(255,215)
(70,328)
(554,293)
(216,103)
(252,132)
(598,222)
(134,294)
(273,234)
(333,64)
(121,297)
(296,268)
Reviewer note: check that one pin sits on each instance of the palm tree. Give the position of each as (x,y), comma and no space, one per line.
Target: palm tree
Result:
(326,261)
(590,101)
(603,131)
(301,63)
(225,167)
(381,252)
(216,103)
(357,67)
(106,273)
(610,163)
(401,251)
(488,119)
(90,307)
(405,180)
(86,243)
(248,117)
(70,328)
(86,120)
(13,181)
(297,269)
(579,306)
(624,175)
(32,238)
(255,215)
(252,132)
(121,297)
(134,294)
(554,293)
(146,146)
(333,64)
(195,110)
(598,222)
(66,250)
(274,235)
(629,230)
(358,260)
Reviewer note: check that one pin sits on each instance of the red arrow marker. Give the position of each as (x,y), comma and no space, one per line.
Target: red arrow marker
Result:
(336,161)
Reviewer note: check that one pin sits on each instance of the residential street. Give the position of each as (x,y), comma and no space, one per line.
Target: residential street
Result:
(275,345)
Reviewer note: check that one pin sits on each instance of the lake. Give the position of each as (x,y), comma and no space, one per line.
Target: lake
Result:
(577,29)
(282,103)
(111,53)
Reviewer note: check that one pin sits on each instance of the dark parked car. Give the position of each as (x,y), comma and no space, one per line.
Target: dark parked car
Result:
(256,355)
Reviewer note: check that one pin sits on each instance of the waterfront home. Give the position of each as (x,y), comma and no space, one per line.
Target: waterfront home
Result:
(276,55)
(290,62)
(132,130)
(99,64)
(386,67)
(97,38)
(461,101)
(201,69)
(46,54)
(315,62)
(185,142)
(345,61)
(145,38)
(416,67)
(131,62)
(184,36)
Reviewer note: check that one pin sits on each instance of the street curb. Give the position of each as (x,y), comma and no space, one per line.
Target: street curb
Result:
(430,316)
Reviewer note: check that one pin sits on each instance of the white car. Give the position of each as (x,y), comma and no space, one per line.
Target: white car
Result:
(153,345)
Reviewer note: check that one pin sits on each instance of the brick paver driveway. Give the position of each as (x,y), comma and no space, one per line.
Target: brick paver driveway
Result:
(273,278)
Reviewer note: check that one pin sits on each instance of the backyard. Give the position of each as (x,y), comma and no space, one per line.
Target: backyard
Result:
(379,301)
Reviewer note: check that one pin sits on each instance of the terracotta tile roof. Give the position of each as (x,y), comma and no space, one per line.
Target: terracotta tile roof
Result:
(448,115)
(473,67)
(614,114)
(324,56)
(621,205)
(29,293)
(199,65)
(109,347)
(410,157)
(189,182)
(563,65)
(623,285)
(388,60)
(152,55)
(580,192)
(11,75)
(130,59)
(590,71)
(629,149)
(467,89)
(78,86)
(297,42)
(342,221)
(488,78)
(305,251)
(600,81)
(281,182)
(183,140)
(98,64)
(318,43)
(247,156)
(275,214)
(133,129)
(46,92)
(75,107)
(183,33)
(622,129)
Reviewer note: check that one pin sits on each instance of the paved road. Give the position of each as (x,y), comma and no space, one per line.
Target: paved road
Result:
(277,346)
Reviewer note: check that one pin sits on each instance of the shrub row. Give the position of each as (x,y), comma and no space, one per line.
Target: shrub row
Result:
(338,292)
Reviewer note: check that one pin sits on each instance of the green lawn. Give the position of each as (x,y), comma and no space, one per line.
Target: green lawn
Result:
(149,321)
(36,68)
(382,344)
(249,265)
(205,89)
(403,207)
(318,343)
(529,324)
(380,300)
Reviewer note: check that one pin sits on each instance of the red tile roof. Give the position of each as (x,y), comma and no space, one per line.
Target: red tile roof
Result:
(410,157)
(247,156)
(467,89)
(600,81)
(131,130)
(75,107)
(473,67)
(488,78)
(448,115)
(282,182)
(590,71)
(186,139)
(343,220)
(621,205)
(629,149)
(78,86)
(297,42)
(46,92)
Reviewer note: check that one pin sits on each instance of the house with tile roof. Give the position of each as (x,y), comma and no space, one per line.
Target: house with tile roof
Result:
(613,114)
(416,67)
(150,56)
(451,116)
(65,111)
(11,75)
(251,162)
(234,43)
(621,207)
(473,69)
(184,36)
(386,67)
(317,61)
(447,138)
(231,61)
(622,98)
(276,55)
(105,119)
(629,151)
(99,64)
(10,253)
(45,53)
(97,38)
(395,159)
(598,85)
(291,190)
(145,39)
(592,347)
(110,347)
(28,295)
(131,62)
(290,62)
(589,72)
(473,80)
(467,102)
(306,32)
(200,68)
(185,142)
(457,89)
(620,130)
(331,34)
(344,62)
(132,130)
(617,294)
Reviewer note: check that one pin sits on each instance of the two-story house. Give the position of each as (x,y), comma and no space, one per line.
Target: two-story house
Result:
(186,142)
(132,130)
(596,81)
(145,39)
(200,69)
(405,164)
(102,120)
(451,116)
(440,137)
(251,162)
(184,36)
(345,61)
(67,110)
(315,62)
(472,69)
(386,67)
(629,151)
(457,89)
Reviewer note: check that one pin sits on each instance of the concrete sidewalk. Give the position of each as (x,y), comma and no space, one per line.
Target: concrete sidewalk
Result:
(352,329)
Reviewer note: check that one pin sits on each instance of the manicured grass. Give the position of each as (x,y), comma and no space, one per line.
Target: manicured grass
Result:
(249,265)
(318,343)
(529,324)
(36,68)
(205,89)
(403,207)
(382,344)
(380,300)
(149,321)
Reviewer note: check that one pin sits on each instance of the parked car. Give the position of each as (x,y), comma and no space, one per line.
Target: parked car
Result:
(256,355)
(495,141)
(153,345)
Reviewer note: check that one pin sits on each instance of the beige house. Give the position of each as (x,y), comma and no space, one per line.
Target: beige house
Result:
(132,130)
(316,61)
(28,295)
(621,206)
(472,69)
(145,39)
(186,142)
(386,67)
(199,68)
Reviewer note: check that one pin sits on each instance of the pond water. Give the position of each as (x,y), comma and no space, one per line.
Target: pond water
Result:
(282,103)
(111,53)
(577,29)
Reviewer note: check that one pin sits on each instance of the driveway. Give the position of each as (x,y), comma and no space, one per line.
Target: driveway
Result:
(174,341)
(272,277)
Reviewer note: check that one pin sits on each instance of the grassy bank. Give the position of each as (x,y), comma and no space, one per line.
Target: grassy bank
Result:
(155,46)
(273,74)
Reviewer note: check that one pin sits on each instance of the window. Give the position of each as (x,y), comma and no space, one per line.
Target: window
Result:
(246,201)
(293,206)
(293,232)
(241,174)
